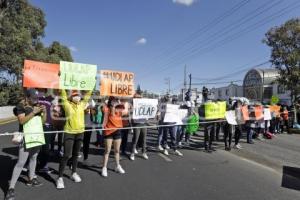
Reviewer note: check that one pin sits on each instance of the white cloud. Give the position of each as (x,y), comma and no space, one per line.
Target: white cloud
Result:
(185,2)
(72,48)
(141,41)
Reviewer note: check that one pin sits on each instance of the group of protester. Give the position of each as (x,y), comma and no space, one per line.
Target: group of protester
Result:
(75,116)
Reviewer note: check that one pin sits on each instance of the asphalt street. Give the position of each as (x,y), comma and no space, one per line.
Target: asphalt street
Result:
(198,175)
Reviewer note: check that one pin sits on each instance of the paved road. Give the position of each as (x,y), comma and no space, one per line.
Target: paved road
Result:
(220,175)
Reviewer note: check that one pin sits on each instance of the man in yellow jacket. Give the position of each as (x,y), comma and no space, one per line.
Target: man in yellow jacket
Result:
(74,129)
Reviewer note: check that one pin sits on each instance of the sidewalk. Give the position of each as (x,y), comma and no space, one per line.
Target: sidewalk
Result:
(277,153)
(6,114)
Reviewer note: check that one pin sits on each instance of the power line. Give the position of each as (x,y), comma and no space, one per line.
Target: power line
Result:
(202,30)
(195,49)
(214,83)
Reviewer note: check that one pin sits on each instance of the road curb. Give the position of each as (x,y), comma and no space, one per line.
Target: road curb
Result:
(7,120)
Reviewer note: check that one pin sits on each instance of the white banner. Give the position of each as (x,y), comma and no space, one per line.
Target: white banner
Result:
(172,113)
(144,108)
(182,116)
(267,114)
(230,117)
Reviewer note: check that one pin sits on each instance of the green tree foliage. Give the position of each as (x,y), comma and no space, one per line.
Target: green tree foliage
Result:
(285,54)
(21,31)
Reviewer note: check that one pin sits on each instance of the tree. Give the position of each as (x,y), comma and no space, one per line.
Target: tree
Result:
(285,54)
(138,89)
(21,30)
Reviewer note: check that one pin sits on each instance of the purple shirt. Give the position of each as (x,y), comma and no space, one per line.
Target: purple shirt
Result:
(46,101)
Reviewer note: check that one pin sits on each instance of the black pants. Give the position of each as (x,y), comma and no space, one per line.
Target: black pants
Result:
(124,133)
(227,134)
(60,138)
(209,132)
(72,145)
(86,144)
(238,134)
(44,155)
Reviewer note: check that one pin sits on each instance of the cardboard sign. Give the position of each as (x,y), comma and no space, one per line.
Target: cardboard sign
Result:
(245,112)
(116,83)
(258,112)
(230,117)
(275,109)
(77,76)
(274,99)
(215,110)
(34,132)
(144,108)
(267,114)
(40,75)
(171,115)
(182,116)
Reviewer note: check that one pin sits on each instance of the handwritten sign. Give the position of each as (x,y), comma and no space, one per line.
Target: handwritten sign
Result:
(144,108)
(77,76)
(40,75)
(230,117)
(245,112)
(182,116)
(171,115)
(116,83)
(34,132)
(267,114)
(259,112)
(275,109)
(215,110)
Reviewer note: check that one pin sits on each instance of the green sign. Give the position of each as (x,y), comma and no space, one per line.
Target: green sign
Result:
(34,132)
(274,100)
(215,110)
(77,76)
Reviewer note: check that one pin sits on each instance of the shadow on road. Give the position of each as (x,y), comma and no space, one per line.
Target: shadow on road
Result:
(7,165)
(291,178)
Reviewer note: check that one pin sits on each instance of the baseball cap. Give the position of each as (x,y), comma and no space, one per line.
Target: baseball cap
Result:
(32,94)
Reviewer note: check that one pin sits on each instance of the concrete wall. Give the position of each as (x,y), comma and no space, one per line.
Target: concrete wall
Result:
(6,112)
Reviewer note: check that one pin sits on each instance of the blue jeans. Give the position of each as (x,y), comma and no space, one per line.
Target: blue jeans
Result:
(250,134)
(163,136)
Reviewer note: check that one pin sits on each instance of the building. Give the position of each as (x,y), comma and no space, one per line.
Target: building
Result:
(223,93)
(260,85)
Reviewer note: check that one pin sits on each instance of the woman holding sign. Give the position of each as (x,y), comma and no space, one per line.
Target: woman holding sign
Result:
(31,117)
(74,129)
(112,123)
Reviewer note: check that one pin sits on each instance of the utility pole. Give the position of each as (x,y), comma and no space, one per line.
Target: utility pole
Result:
(184,78)
(168,82)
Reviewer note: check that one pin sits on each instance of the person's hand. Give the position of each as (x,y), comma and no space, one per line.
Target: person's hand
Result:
(37,109)
(44,109)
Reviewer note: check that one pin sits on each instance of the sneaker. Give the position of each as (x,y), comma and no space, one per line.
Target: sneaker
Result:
(10,195)
(226,148)
(79,156)
(104,172)
(61,153)
(76,178)
(45,170)
(166,152)
(237,146)
(34,183)
(145,156)
(131,157)
(135,151)
(86,163)
(60,183)
(160,148)
(178,153)
(167,147)
(119,169)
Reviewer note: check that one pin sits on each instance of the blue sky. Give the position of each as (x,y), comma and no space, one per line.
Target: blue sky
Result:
(156,38)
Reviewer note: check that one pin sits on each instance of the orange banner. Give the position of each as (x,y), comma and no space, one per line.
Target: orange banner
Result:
(245,113)
(259,112)
(275,109)
(40,75)
(116,83)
